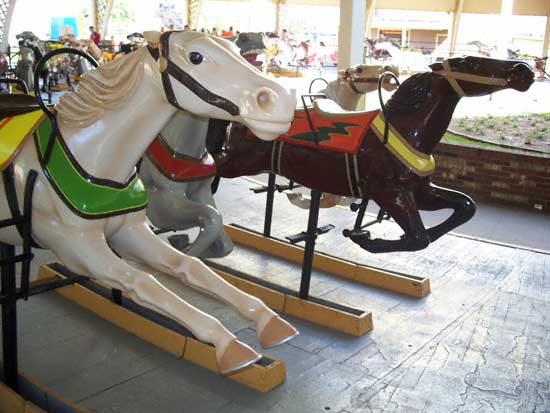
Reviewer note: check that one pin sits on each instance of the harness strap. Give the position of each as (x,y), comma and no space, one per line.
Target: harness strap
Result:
(169,68)
(452,77)
(352,173)
(276,155)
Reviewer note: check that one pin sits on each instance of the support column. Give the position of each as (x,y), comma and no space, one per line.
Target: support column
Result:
(459,5)
(505,23)
(193,12)
(6,13)
(281,16)
(546,43)
(369,14)
(351,34)
(404,36)
(102,12)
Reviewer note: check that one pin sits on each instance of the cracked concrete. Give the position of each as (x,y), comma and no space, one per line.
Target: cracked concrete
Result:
(479,342)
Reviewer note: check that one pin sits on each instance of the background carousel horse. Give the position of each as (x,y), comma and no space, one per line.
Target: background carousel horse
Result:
(353,83)
(358,154)
(178,172)
(88,204)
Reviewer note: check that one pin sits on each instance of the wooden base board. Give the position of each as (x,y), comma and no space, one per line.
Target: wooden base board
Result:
(338,317)
(11,402)
(410,285)
(263,376)
(34,394)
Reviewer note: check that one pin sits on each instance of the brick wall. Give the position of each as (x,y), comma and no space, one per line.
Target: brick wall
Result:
(494,175)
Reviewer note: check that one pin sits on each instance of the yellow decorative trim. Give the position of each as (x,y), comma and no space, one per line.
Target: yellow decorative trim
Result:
(13,132)
(420,163)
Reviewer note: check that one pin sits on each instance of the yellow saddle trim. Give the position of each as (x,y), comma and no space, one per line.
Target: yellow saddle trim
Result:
(420,163)
(14,130)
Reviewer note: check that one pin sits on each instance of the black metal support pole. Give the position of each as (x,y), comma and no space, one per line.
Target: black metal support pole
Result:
(310,243)
(116,295)
(269,204)
(9,317)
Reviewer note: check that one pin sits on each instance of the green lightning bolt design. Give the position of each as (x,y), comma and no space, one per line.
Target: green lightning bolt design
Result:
(325,132)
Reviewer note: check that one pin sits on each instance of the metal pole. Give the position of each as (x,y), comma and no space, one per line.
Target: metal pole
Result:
(9,317)
(310,243)
(269,204)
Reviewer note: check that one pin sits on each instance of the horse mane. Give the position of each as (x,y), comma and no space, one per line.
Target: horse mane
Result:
(412,93)
(102,90)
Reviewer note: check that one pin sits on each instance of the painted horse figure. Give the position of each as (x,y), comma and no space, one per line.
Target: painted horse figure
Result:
(88,204)
(177,172)
(382,155)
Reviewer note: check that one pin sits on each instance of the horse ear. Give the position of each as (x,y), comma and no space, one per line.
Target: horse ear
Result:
(436,67)
(152,37)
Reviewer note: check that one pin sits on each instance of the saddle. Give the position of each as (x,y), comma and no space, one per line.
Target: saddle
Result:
(336,129)
(17,127)
(14,104)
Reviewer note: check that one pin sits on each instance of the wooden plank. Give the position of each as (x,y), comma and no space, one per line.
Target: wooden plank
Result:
(10,401)
(412,286)
(355,322)
(356,325)
(392,282)
(145,329)
(273,299)
(260,377)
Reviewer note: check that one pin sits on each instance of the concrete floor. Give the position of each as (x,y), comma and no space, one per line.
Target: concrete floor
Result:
(479,342)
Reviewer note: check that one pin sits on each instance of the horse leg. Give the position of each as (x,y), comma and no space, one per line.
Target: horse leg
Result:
(402,208)
(200,192)
(432,198)
(137,242)
(90,254)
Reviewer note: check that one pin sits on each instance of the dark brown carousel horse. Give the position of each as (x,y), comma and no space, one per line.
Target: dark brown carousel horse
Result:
(390,165)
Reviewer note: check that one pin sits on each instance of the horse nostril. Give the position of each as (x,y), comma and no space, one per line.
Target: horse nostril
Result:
(264,99)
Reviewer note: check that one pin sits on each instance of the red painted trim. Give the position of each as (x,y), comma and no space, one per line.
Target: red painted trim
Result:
(179,169)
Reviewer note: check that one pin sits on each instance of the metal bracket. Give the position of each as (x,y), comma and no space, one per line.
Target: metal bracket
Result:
(302,236)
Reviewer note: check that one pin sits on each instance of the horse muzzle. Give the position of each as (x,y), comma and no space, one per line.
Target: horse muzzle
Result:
(520,77)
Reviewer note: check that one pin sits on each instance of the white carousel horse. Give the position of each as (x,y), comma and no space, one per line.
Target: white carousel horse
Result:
(88,207)
(353,83)
(177,172)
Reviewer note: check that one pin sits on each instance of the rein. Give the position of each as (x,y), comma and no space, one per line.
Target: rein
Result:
(169,69)
(453,77)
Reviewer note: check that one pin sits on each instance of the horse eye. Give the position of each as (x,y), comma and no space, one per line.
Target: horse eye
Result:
(359,70)
(195,58)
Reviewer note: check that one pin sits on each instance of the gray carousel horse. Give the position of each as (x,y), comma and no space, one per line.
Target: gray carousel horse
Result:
(181,199)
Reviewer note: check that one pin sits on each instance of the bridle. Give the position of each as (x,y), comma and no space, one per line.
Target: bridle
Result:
(454,77)
(352,82)
(169,69)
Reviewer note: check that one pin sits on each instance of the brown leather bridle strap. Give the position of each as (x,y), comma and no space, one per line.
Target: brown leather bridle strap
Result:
(452,78)
(170,69)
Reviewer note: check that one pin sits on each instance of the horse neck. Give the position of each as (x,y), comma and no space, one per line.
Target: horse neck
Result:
(342,94)
(112,146)
(186,134)
(424,128)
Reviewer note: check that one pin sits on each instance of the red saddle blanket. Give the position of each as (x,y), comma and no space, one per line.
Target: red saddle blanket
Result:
(340,134)
(179,167)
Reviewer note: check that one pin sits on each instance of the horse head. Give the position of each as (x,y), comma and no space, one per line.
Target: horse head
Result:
(478,76)
(207,76)
(364,78)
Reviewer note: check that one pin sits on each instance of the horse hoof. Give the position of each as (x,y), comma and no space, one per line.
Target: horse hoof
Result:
(277,331)
(237,356)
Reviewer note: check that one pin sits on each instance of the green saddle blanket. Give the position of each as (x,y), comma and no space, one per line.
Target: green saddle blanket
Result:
(86,195)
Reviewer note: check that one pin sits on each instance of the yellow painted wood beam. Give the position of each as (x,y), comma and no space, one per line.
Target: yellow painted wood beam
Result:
(261,378)
(412,286)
